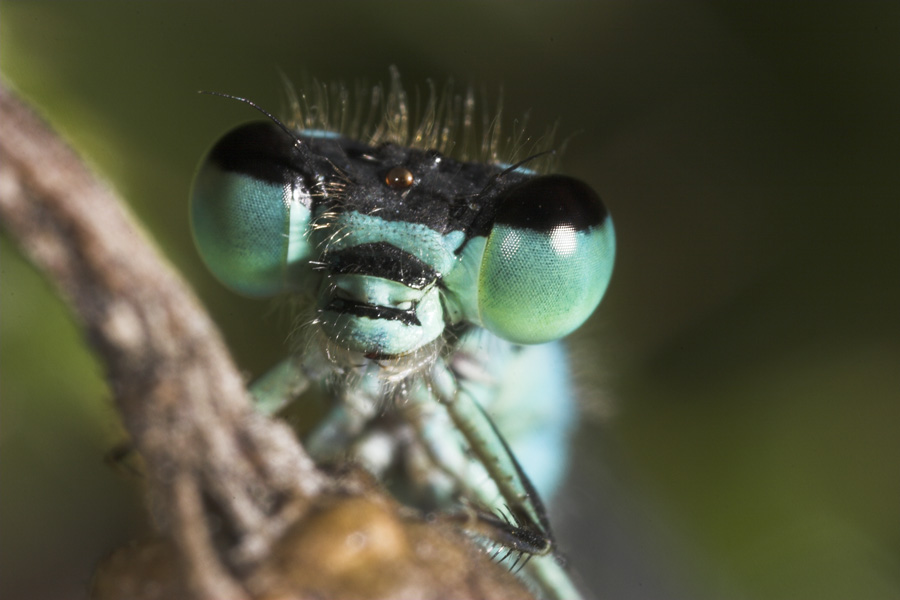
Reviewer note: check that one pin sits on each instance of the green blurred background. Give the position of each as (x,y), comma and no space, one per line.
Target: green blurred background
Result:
(741,380)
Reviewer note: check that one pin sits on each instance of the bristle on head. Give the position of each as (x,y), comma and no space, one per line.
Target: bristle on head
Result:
(445,121)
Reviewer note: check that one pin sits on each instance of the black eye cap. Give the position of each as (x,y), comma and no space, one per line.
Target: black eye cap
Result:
(546,202)
(259,150)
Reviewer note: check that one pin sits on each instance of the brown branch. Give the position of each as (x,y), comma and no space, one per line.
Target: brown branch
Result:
(233,493)
(173,380)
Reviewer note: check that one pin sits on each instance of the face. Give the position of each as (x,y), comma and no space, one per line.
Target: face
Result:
(395,243)
(381,280)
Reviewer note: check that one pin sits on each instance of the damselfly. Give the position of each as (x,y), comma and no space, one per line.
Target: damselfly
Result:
(432,283)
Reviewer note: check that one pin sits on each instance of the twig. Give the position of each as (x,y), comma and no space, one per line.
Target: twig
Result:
(173,380)
(226,484)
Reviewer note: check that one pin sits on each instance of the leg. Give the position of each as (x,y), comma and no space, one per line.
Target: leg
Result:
(279,386)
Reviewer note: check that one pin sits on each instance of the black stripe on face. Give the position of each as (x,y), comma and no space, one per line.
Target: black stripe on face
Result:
(361,309)
(381,259)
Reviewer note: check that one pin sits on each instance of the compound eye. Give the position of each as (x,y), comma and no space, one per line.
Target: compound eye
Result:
(250,211)
(547,261)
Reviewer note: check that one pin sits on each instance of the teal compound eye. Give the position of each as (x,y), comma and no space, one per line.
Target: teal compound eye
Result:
(547,261)
(250,211)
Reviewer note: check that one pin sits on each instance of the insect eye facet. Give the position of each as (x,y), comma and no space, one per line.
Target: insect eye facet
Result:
(547,261)
(250,211)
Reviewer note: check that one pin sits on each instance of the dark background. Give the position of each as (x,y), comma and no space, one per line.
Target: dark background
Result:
(741,380)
